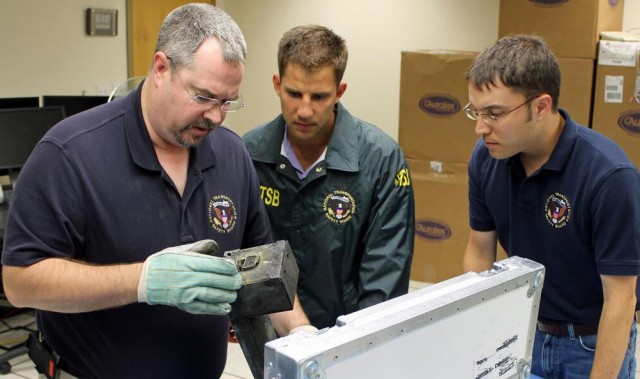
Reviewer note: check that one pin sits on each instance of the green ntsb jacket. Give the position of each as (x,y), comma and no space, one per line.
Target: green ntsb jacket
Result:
(350,222)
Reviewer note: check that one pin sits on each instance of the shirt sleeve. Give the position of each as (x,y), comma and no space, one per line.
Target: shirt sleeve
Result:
(46,212)
(480,217)
(616,222)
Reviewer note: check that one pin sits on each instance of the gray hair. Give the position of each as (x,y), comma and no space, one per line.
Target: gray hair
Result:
(188,26)
(524,63)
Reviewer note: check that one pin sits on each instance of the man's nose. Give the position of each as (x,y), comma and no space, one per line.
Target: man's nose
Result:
(481,127)
(215,114)
(304,109)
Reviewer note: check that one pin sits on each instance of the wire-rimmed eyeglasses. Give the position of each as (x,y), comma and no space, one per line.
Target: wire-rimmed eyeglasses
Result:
(490,118)
(228,106)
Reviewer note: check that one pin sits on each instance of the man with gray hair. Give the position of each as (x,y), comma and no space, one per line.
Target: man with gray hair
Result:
(107,192)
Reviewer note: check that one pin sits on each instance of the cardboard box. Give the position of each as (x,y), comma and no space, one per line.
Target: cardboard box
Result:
(576,88)
(572,28)
(442,220)
(616,111)
(433,91)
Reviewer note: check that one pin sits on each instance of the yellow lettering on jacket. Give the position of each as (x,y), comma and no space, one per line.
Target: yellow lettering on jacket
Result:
(402,178)
(270,196)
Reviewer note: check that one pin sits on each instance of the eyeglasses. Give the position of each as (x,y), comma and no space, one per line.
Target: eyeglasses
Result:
(490,118)
(228,106)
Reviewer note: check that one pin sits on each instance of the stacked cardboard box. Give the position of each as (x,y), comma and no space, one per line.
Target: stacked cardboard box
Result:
(576,87)
(433,127)
(433,91)
(442,225)
(571,28)
(616,111)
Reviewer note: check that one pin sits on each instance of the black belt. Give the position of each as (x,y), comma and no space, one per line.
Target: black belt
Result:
(563,329)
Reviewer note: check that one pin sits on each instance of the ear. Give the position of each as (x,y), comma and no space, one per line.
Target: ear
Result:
(161,66)
(543,105)
(276,83)
(341,88)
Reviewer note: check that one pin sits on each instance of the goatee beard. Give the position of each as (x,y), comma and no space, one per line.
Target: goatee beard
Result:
(203,124)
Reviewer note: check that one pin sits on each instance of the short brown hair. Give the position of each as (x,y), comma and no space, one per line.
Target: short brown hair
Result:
(524,63)
(313,47)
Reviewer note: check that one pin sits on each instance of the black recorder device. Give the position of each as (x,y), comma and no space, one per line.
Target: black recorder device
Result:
(269,279)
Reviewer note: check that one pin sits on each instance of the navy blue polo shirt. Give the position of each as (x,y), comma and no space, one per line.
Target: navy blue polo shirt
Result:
(93,190)
(579,216)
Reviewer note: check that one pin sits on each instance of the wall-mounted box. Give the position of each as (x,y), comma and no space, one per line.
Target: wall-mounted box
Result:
(101,22)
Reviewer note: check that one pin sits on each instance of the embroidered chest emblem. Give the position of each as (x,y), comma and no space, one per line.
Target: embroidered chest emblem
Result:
(222,214)
(339,206)
(557,210)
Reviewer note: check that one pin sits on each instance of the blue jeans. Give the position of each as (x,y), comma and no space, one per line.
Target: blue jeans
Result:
(571,357)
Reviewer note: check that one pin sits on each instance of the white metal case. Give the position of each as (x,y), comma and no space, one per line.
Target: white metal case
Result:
(476,325)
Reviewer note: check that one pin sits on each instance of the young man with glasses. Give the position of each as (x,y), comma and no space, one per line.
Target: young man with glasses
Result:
(560,194)
(335,186)
(106,189)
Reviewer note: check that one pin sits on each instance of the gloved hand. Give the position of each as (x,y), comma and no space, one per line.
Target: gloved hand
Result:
(184,277)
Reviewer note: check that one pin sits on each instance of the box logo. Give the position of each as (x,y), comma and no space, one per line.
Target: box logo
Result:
(549,3)
(630,122)
(433,230)
(439,105)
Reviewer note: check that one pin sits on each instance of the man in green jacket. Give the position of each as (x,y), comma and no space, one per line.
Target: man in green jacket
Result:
(337,188)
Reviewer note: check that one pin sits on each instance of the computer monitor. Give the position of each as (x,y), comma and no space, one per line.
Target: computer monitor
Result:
(20,131)
(19,102)
(74,104)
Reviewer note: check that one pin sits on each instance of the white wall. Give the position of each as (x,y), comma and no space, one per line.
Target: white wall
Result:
(45,50)
(631,18)
(376,32)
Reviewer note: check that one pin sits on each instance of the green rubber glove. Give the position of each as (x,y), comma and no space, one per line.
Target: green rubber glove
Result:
(189,278)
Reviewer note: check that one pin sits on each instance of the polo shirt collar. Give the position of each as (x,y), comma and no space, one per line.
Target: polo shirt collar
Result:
(562,152)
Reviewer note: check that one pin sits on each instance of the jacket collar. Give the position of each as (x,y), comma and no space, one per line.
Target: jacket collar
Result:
(342,152)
